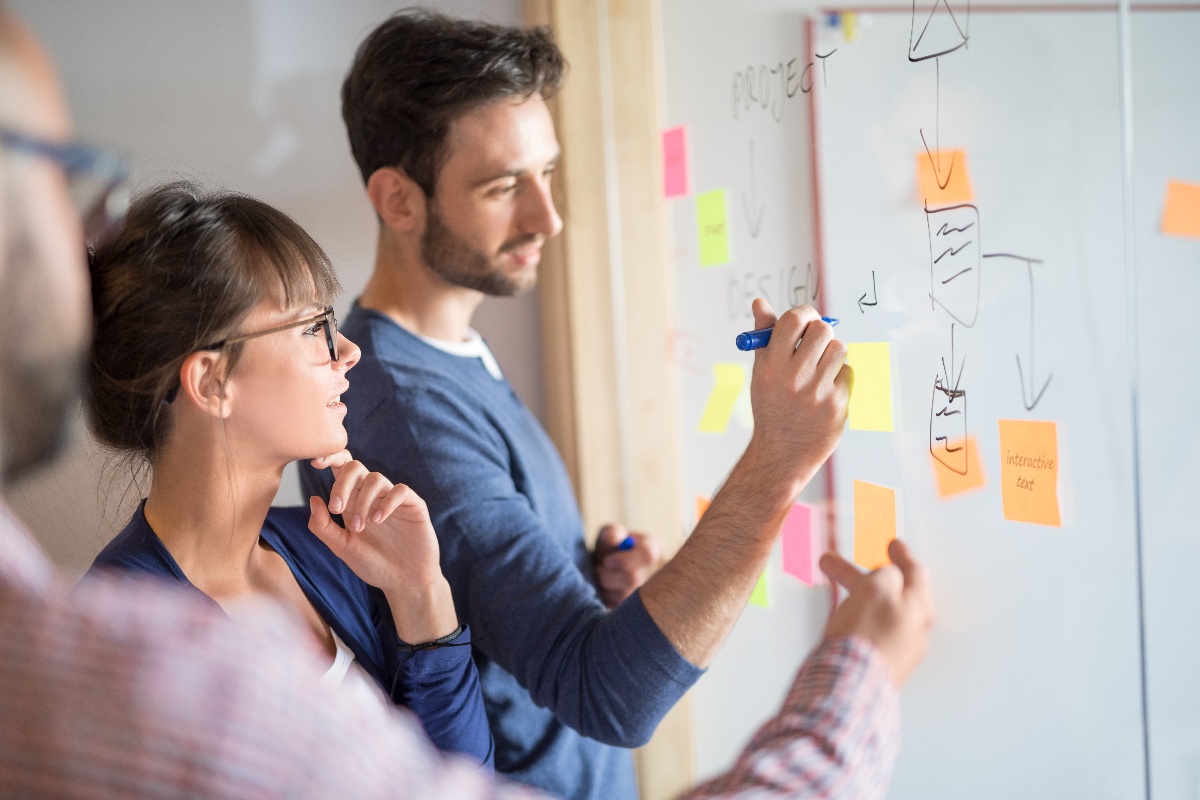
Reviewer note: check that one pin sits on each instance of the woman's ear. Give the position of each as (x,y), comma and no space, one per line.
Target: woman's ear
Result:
(203,384)
(398,200)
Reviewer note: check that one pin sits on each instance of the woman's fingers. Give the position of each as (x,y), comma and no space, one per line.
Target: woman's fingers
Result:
(358,510)
(324,528)
(388,502)
(345,484)
(336,460)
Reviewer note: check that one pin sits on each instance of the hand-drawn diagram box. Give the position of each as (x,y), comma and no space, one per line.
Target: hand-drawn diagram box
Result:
(948,426)
(939,28)
(954,263)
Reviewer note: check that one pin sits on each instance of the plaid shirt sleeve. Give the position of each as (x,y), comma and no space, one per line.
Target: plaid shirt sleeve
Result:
(122,688)
(837,736)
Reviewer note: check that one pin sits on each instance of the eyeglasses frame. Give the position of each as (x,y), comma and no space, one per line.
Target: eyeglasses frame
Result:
(326,317)
(76,158)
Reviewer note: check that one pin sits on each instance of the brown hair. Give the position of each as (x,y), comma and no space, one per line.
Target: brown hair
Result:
(183,272)
(419,71)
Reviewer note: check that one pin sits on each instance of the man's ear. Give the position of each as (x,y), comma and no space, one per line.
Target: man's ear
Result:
(203,385)
(398,199)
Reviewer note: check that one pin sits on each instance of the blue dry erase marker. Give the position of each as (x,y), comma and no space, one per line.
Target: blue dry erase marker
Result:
(753,340)
(626,543)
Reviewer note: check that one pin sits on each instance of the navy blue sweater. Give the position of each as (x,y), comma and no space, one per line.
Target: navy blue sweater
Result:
(567,683)
(441,686)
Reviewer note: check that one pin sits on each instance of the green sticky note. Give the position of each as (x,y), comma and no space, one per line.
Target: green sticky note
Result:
(727,385)
(871,398)
(712,227)
(760,597)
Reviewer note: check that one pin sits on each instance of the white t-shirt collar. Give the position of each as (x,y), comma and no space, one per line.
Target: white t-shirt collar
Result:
(473,347)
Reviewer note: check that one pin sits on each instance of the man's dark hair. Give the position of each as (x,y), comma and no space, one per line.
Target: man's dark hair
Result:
(419,71)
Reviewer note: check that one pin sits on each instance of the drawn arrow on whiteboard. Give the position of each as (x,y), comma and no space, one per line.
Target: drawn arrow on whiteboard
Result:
(937,134)
(1030,385)
(753,218)
(862,301)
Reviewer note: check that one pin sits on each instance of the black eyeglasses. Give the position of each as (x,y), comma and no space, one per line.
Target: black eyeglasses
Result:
(98,179)
(325,319)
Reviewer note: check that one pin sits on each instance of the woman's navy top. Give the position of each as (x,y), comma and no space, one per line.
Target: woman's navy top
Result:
(439,685)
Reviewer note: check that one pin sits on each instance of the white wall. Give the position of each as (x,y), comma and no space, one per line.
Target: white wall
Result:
(242,94)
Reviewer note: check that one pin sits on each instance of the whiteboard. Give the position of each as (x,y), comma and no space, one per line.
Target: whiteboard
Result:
(1034,685)
(1166,121)
(1035,660)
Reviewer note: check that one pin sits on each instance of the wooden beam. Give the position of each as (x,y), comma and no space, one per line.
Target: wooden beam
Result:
(607,299)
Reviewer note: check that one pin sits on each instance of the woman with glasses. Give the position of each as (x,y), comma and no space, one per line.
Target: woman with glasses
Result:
(215,363)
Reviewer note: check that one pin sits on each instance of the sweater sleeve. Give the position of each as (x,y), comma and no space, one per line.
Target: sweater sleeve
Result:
(441,686)
(612,676)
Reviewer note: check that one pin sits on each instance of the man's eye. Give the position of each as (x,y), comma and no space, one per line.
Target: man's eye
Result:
(506,189)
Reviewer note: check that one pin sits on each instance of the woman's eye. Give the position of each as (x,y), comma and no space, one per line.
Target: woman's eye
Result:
(313,329)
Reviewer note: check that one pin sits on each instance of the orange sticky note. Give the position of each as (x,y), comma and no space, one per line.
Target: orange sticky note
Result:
(950,481)
(1181,211)
(874,523)
(701,506)
(942,178)
(1029,471)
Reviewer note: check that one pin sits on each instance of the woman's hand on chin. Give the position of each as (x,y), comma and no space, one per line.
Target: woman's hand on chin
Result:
(389,542)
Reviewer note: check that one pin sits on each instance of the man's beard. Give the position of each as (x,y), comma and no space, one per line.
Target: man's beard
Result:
(39,390)
(457,263)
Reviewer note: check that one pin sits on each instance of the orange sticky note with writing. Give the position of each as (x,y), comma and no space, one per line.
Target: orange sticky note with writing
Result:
(942,178)
(1029,471)
(874,523)
(1181,211)
(957,467)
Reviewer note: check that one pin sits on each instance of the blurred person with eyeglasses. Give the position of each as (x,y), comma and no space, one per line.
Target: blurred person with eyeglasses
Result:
(124,688)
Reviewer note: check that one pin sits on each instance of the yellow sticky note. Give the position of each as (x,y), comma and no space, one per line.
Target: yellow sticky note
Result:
(850,26)
(874,524)
(712,227)
(727,384)
(871,398)
(760,596)
(1029,471)
(950,481)
(942,178)
(1181,211)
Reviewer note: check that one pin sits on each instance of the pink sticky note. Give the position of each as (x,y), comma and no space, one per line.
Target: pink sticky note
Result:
(798,538)
(675,173)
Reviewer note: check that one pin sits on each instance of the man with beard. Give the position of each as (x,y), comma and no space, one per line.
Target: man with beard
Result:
(122,689)
(580,655)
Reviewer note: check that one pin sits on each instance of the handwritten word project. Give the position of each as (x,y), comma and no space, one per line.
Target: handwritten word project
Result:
(942,178)
(874,524)
(871,398)
(1029,471)
(675,171)
(712,228)
(727,384)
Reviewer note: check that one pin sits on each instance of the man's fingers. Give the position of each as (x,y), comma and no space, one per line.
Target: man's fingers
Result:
(912,570)
(764,316)
(839,569)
